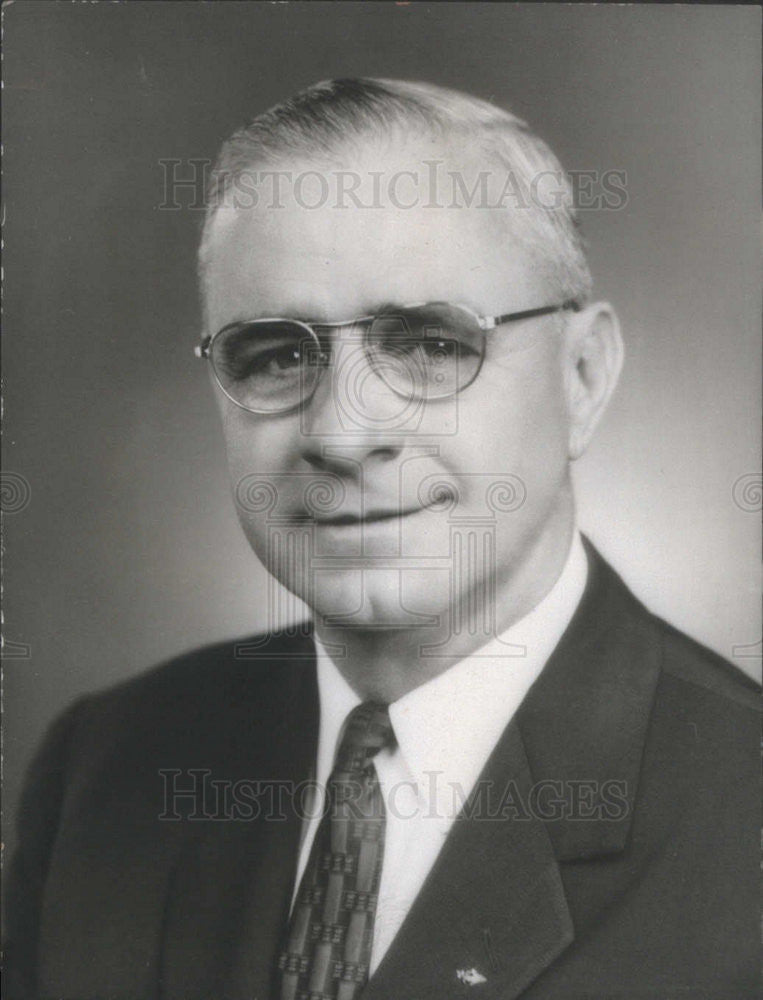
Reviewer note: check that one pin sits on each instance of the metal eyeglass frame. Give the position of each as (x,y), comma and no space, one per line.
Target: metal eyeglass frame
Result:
(485,323)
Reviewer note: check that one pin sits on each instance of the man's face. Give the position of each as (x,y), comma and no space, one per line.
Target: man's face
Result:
(416,508)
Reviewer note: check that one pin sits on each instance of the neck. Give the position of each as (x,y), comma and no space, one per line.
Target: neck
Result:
(385,664)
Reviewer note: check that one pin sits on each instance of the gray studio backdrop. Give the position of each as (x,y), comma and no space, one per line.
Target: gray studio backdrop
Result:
(121,542)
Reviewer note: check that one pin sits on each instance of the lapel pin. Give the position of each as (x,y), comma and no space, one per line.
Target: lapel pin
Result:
(470,976)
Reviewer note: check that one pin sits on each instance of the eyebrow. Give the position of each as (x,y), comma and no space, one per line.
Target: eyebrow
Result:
(377,309)
(382,308)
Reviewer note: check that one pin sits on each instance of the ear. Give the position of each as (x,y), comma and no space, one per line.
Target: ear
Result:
(592,362)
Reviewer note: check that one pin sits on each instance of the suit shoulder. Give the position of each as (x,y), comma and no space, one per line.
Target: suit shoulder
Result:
(695,666)
(209,681)
(690,672)
(220,707)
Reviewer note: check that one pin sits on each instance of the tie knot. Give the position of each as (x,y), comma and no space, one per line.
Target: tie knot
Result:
(366,731)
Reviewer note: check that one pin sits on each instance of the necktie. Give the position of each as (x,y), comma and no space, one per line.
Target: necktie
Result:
(331,929)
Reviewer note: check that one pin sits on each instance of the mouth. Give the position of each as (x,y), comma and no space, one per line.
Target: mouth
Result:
(371,517)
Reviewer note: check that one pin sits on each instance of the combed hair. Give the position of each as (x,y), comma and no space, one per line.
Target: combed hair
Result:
(337,116)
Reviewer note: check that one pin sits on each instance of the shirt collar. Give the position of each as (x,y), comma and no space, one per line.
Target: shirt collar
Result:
(449,725)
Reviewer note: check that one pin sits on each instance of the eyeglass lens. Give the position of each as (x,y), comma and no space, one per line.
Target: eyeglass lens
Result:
(269,366)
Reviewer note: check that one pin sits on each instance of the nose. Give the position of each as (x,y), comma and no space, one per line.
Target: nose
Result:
(353,416)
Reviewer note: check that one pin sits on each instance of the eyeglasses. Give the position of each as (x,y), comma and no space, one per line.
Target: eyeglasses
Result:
(423,352)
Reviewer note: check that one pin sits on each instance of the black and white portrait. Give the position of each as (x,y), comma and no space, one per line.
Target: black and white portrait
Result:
(381,501)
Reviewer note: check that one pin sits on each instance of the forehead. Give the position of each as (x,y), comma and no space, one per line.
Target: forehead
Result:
(314,251)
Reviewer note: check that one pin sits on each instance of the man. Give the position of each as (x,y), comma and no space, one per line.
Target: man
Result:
(485,769)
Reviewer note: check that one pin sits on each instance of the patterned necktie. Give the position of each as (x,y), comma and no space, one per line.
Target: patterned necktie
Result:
(331,929)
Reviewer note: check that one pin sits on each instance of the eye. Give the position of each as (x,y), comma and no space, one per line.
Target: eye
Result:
(278,359)
(440,349)
(253,360)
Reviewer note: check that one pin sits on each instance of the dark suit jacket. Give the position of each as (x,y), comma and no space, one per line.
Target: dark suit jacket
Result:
(646,889)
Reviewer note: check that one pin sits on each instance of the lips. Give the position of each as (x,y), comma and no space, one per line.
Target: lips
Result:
(371,517)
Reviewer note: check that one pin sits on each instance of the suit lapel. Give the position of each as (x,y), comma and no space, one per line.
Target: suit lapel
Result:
(584,722)
(494,903)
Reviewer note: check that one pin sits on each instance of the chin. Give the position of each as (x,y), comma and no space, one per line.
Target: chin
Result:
(368,599)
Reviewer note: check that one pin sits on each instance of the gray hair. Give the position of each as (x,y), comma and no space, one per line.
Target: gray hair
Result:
(339,115)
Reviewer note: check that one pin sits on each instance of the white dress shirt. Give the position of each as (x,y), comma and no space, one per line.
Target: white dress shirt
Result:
(445,731)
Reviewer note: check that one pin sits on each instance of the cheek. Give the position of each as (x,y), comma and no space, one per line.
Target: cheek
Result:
(258,452)
(516,423)
(543,427)
(257,445)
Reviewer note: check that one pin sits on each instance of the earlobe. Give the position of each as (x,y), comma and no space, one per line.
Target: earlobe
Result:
(594,360)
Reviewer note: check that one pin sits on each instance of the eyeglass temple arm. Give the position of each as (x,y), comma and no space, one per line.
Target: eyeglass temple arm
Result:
(490,322)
